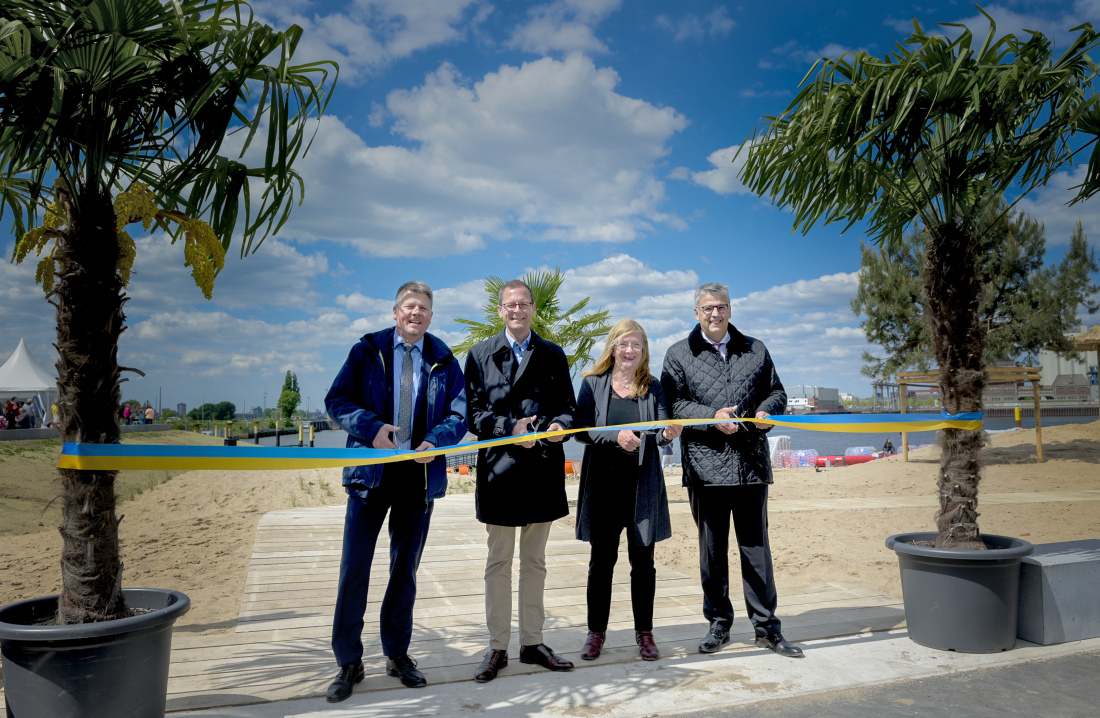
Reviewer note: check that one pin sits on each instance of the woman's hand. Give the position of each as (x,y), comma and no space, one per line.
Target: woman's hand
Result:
(628,440)
(672,431)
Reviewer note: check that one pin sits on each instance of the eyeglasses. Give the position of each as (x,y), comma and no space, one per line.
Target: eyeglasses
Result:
(623,346)
(513,306)
(711,308)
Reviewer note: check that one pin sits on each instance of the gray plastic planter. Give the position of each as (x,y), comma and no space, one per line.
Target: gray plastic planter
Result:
(112,669)
(959,600)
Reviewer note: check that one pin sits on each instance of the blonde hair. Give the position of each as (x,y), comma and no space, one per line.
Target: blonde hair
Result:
(639,386)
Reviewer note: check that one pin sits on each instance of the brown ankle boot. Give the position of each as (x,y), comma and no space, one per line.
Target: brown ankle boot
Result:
(593,644)
(646,647)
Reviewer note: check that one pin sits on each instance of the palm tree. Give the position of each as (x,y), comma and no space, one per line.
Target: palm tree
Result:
(113,112)
(571,330)
(935,132)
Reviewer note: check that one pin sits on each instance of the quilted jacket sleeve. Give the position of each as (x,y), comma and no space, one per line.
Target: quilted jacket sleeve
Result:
(776,401)
(677,397)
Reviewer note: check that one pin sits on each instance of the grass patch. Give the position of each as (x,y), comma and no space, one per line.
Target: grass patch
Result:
(29,478)
(130,490)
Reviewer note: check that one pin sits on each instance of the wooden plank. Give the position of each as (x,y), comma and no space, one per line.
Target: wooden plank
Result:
(281,650)
(312,680)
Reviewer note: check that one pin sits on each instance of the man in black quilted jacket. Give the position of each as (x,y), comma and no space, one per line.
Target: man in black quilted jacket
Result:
(718,372)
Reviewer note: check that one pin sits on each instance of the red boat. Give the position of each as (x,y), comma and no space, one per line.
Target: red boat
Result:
(844,460)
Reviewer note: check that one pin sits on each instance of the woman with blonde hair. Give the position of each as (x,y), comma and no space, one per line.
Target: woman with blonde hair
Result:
(622,484)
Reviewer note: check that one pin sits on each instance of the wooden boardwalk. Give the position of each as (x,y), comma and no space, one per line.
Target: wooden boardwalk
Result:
(280,649)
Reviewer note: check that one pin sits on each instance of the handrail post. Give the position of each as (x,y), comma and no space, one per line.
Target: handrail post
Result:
(904,405)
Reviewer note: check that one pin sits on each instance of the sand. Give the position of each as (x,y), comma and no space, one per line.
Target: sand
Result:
(194,532)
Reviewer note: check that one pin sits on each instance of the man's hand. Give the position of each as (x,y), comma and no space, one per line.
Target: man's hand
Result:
(523,426)
(425,446)
(762,415)
(672,431)
(556,427)
(628,440)
(384,438)
(729,412)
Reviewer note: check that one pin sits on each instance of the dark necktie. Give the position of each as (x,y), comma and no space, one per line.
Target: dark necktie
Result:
(405,408)
(517,359)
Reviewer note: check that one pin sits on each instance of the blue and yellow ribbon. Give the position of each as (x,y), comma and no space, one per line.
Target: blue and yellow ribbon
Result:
(118,457)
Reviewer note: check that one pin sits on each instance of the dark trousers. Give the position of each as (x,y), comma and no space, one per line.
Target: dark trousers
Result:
(601,568)
(408,528)
(712,507)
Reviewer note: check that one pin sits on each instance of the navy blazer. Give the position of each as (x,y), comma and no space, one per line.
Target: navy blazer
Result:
(361,401)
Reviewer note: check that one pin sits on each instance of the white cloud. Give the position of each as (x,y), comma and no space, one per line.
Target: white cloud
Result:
(547,150)
(723,179)
(1048,205)
(795,53)
(278,272)
(758,90)
(25,312)
(1055,20)
(1008,20)
(563,26)
(621,277)
(805,294)
(717,23)
(807,325)
(356,302)
(365,36)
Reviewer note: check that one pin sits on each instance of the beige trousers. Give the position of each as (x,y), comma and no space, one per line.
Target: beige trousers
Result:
(532,579)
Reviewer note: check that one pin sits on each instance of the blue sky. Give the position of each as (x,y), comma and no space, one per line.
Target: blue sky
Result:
(470,138)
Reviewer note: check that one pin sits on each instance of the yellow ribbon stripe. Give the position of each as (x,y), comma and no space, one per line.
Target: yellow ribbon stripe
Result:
(117,457)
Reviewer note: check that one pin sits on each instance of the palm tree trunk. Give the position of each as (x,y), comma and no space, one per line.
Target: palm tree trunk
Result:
(88,296)
(953,290)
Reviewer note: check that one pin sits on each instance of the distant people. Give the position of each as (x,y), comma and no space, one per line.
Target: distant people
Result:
(126,414)
(718,372)
(11,408)
(888,448)
(23,417)
(399,388)
(53,414)
(36,412)
(517,382)
(622,484)
(150,414)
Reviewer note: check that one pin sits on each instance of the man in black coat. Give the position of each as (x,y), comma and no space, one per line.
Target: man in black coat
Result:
(517,382)
(718,372)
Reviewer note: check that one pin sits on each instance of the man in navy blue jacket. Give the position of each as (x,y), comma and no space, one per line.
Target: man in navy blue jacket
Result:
(400,388)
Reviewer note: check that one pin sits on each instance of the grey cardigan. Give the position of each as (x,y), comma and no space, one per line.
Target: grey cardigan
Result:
(651,519)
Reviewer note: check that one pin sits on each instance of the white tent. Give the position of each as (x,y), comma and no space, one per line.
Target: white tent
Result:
(21,375)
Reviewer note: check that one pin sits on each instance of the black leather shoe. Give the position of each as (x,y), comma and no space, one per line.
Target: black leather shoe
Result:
(780,646)
(542,655)
(494,660)
(714,640)
(404,668)
(349,674)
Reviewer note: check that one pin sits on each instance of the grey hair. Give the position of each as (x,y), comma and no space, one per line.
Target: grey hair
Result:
(414,286)
(515,284)
(718,290)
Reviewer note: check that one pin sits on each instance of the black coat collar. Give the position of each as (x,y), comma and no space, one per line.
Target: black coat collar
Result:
(699,343)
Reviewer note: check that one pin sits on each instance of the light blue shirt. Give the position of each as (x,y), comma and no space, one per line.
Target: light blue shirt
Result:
(518,348)
(398,362)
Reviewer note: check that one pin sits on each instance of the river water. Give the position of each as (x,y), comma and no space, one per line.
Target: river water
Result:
(826,443)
